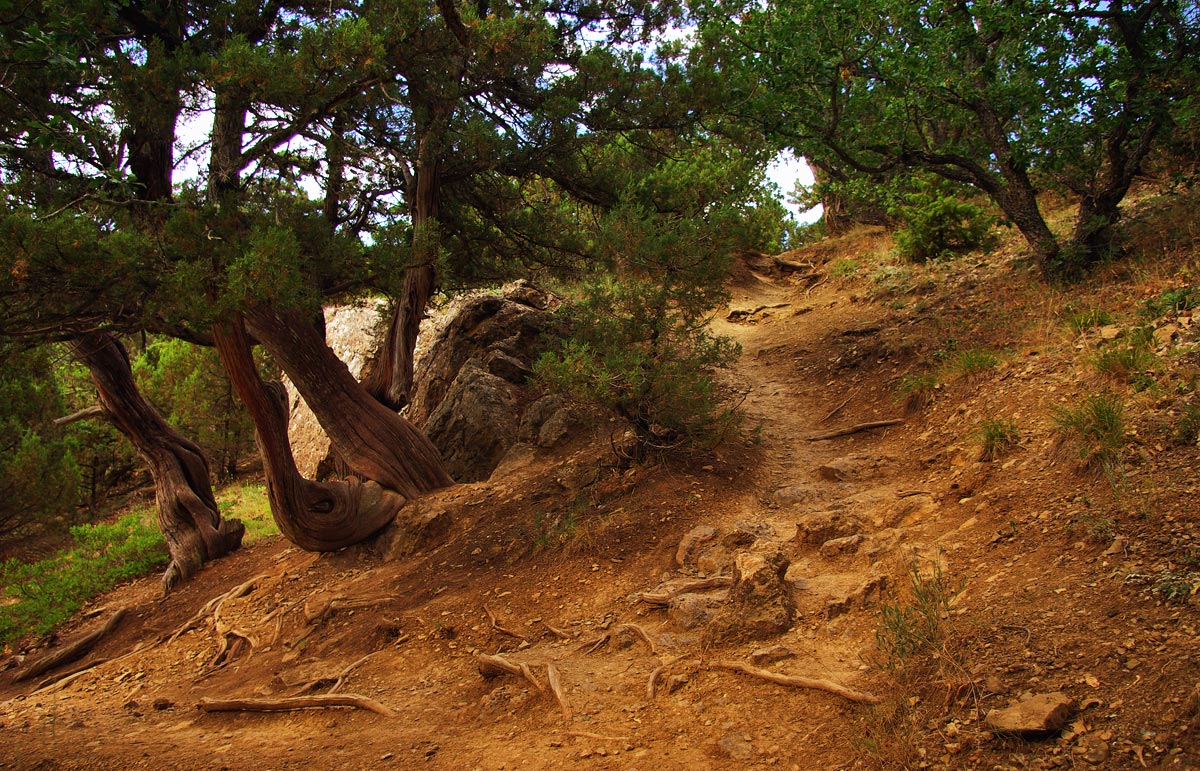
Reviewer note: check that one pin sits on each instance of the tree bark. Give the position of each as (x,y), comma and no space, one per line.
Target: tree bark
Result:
(374,441)
(391,379)
(187,510)
(314,516)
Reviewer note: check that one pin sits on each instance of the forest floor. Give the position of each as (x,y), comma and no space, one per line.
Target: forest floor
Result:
(942,584)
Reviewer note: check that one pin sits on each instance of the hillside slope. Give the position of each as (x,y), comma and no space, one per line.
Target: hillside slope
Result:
(898,564)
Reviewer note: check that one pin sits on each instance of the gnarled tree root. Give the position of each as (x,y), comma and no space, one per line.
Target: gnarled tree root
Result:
(72,651)
(828,686)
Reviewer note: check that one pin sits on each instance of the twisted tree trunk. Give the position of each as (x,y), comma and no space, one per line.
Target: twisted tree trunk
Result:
(187,509)
(374,441)
(314,516)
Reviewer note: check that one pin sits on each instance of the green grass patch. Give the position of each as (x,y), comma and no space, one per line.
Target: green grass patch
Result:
(844,267)
(43,594)
(917,391)
(1097,427)
(971,363)
(1079,321)
(997,436)
(1133,364)
(914,626)
(248,502)
(37,597)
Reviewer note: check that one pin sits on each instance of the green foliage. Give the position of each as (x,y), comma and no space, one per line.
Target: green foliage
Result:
(971,363)
(937,225)
(912,626)
(639,342)
(1097,427)
(48,592)
(187,384)
(1182,298)
(997,436)
(1079,321)
(918,390)
(39,476)
(632,351)
(1011,98)
(1187,430)
(1132,362)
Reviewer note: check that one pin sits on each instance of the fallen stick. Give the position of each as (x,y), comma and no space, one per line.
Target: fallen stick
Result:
(652,683)
(293,703)
(664,598)
(799,682)
(72,651)
(841,406)
(341,678)
(503,630)
(855,429)
(556,687)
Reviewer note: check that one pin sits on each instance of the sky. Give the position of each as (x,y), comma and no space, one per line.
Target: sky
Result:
(786,171)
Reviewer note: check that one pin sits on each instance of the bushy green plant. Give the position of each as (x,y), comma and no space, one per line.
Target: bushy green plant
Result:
(631,350)
(938,225)
(639,341)
(912,626)
(917,391)
(50,591)
(971,362)
(1079,321)
(997,436)
(1172,301)
(1097,426)
(39,476)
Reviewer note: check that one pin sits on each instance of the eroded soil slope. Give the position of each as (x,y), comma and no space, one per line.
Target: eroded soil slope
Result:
(613,586)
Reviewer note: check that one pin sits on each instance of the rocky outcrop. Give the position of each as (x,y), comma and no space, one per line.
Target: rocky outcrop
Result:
(471,394)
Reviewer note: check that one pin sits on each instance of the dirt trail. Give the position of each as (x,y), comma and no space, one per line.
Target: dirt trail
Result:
(558,549)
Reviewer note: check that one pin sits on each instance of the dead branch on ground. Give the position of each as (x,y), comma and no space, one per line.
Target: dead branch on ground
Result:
(799,682)
(856,429)
(841,406)
(293,703)
(561,634)
(493,666)
(60,679)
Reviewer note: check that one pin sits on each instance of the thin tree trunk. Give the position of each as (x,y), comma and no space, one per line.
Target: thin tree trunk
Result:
(391,379)
(187,509)
(374,441)
(314,516)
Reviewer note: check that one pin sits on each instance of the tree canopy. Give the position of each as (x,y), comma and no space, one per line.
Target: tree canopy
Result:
(1013,98)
